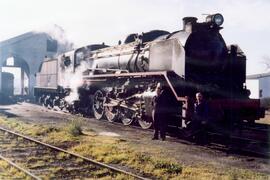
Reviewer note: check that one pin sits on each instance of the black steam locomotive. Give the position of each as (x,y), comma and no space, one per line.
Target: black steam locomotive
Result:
(118,82)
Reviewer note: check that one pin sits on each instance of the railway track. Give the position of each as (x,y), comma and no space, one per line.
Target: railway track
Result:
(43,161)
(249,139)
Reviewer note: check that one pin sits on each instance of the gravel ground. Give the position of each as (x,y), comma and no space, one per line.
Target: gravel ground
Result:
(184,152)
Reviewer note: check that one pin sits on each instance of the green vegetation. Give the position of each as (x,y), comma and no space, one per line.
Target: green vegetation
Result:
(75,128)
(9,172)
(113,150)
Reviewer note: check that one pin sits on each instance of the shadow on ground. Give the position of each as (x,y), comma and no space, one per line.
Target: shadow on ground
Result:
(4,112)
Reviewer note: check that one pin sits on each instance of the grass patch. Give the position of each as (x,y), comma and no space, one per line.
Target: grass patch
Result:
(112,150)
(47,133)
(9,172)
(27,129)
(62,156)
(154,166)
(170,167)
(205,173)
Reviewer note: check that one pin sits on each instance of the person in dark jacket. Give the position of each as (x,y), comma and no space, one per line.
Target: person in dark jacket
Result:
(200,109)
(160,112)
(199,119)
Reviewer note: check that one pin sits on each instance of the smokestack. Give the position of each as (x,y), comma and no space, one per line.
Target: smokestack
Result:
(188,22)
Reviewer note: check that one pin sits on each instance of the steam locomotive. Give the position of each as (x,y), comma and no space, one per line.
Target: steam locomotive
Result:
(118,82)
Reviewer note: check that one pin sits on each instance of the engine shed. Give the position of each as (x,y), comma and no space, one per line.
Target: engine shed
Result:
(24,54)
(259,85)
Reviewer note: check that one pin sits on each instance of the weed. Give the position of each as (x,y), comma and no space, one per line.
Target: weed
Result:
(169,167)
(102,173)
(9,172)
(63,155)
(142,158)
(75,127)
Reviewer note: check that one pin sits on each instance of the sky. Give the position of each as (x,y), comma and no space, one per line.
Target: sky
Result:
(246,22)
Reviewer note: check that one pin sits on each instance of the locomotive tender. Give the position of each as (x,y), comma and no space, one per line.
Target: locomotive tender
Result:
(118,82)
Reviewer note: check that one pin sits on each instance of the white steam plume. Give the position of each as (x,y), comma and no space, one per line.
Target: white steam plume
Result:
(57,33)
(74,81)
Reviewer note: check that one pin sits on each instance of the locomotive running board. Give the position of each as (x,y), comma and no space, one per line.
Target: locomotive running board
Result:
(100,77)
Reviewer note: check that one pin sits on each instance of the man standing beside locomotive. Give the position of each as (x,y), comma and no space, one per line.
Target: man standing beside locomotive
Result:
(200,109)
(160,111)
(200,118)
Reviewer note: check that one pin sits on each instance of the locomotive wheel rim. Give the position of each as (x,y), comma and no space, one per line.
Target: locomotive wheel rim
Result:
(62,104)
(127,121)
(54,103)
(126,117)
(145,124)
(51,104)
(111,113)
(46,102)
(98,108)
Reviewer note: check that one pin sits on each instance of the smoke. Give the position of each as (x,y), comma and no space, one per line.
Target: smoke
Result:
(74,81)
(57,33)
(149,93)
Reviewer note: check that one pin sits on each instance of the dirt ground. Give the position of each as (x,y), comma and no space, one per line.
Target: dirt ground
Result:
(183,152)
(266,119)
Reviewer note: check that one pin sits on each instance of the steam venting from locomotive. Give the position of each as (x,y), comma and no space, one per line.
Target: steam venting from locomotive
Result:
(73,81)
(58,37)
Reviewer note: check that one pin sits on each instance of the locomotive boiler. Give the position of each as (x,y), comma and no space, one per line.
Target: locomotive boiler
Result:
(118,82)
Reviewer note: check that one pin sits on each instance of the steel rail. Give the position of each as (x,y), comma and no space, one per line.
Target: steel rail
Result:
(247,149)
(20,168)
(75,155)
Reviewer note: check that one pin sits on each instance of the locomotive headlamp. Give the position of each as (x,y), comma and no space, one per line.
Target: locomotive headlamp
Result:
(217,19)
